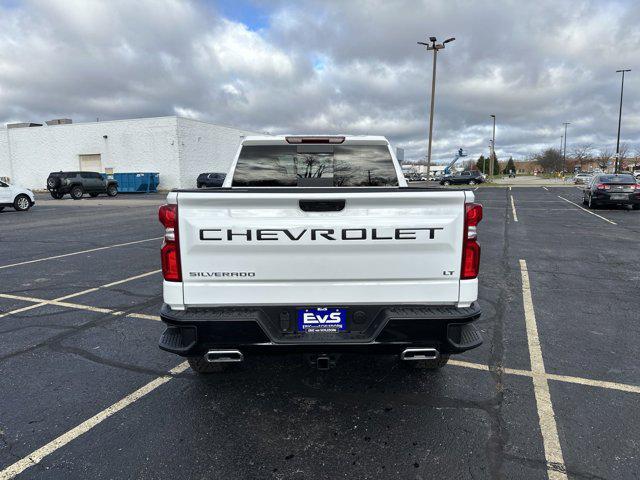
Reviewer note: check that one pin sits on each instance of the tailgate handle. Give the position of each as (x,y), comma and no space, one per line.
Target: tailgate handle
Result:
(321,205)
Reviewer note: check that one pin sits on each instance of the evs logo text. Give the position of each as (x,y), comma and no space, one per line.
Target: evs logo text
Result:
(321,319)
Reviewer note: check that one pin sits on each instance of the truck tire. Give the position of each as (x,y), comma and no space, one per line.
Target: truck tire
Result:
(54,182)
(57,195)
(77,192)
(22,203)
(424,365)
(446,183)
(201,366)
(1,208)
(112,190)
(472,182)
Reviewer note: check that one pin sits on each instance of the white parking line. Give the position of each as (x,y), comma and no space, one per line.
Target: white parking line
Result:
(513,209)
(36,457)
(556,469)
(546,188)
(623,387)
(78,253)
(59,300)
(588,211)
(555,462)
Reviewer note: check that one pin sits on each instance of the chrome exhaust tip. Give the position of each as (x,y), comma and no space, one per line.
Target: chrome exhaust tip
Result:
(411,354)
(223,356)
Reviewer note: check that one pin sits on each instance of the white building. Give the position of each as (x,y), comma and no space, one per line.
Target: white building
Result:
(178,148)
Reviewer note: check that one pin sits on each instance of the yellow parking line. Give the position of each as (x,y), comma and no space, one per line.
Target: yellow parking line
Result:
(23,309)
(472,365)
(142,275)
(59,300)
(623,387)
(144,316)
(588,211)
(513,209)
(556,469)
(36,456)
(79,253)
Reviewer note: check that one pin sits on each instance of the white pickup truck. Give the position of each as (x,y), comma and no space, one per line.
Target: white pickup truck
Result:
(317,245)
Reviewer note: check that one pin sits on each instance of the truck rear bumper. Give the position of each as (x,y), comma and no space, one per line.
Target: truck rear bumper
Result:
(370,329)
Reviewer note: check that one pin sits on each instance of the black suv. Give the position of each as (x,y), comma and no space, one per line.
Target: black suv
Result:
(78,183)
(210,180)
(468,177)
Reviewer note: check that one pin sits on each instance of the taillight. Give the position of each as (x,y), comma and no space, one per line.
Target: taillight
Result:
(637,186)
(470,247)
(603,186)
(170,252)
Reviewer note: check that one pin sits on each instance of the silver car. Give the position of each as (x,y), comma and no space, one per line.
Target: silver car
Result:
(582,178)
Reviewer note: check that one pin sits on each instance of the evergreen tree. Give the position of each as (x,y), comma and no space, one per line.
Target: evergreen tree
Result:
(496,166)
(482,164)
(510,166)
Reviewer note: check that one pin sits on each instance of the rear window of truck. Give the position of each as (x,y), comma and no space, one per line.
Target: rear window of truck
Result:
(315,166)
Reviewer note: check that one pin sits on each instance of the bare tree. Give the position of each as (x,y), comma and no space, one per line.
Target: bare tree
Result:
(623,154)
(550,160)
(604,158)
(636,156)
(582,153)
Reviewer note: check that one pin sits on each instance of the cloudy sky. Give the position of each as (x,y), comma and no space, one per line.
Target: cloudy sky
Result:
(332,67)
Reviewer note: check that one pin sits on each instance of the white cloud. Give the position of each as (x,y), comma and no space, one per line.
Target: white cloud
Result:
(327,66)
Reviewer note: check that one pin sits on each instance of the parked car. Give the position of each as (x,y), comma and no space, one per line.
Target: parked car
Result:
(77,184)
(16,197)
(209,180)
(468,177)
(612,189)
(582,178)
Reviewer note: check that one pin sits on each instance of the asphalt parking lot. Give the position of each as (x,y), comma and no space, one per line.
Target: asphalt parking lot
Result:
(554,391)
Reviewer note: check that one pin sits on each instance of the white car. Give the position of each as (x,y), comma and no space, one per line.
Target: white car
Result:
(21,199)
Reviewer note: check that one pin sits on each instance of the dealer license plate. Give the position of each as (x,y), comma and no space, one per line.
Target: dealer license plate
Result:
(319,320)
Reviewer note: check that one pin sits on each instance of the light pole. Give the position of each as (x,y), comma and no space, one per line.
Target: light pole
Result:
(493,147)
(484,161)
(619,121)
(564,154)
(433,45)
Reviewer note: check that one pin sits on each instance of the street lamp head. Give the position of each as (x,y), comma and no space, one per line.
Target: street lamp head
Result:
(493,116)
(449,40)
(619,71)
(432,39)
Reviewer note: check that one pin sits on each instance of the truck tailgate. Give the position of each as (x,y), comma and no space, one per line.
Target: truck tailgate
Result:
(263,247)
